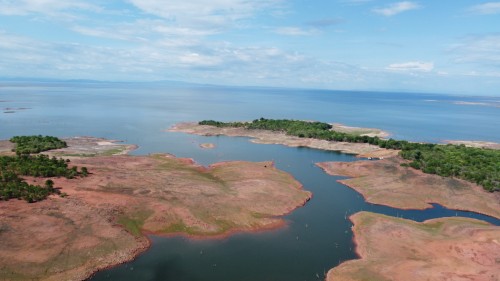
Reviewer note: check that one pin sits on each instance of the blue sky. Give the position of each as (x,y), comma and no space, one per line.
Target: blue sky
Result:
(447,46)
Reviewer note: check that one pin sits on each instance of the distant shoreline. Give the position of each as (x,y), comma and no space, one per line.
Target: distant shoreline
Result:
(268,137)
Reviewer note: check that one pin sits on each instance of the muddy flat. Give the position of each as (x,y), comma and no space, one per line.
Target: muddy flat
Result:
(439,249)
(270,137)
(90,147)
(386,182)
(103,220)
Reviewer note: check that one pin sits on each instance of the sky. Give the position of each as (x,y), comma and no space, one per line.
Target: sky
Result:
(440,46)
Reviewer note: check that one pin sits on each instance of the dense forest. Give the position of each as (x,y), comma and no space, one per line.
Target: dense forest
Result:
(23,164)
(478,165)
(36,144)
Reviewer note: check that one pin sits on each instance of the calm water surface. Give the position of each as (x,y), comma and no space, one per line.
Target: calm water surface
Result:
(318,236)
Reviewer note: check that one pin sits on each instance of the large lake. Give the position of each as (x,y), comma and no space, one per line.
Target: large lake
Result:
(318,235)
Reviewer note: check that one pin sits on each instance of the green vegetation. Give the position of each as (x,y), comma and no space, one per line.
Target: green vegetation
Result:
(24,164)
(36,144)
(477,165)
(135,222)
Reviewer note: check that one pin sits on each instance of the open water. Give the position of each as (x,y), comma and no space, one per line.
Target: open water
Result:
(318,235)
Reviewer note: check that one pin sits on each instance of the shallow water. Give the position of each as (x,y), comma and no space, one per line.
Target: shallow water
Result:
(318,235)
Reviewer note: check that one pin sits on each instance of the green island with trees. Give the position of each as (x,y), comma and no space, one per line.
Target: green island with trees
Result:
(477,165)
(24,164)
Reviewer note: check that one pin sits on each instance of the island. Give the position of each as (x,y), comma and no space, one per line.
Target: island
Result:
(280,137)
(104,218)
(207,145)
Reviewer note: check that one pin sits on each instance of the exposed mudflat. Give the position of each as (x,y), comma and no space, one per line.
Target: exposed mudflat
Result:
(386,182)
(103,219)
(440,249)
(270,137)
(90,147)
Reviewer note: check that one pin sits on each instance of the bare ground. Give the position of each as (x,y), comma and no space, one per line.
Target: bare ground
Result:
(391,248)
(80,147)
(386,182)
(270,137)
(103,219)
(6,147)
(90,147)
(371,132)
(480,144)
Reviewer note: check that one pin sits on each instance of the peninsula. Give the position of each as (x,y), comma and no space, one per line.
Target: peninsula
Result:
(104,217)
(440,249)
(476,165)
(406,175)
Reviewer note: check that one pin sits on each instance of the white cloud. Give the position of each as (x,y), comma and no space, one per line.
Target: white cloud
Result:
(47,7)
(483,49)
(489,8)
(203,12)
(195,59)
(143,30)
(396,8)
(293,31)
(412,66)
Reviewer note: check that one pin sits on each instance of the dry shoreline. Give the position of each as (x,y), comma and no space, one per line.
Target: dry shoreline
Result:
(439,249)
(269,137)
(479,144)
(386,182)
(106,216)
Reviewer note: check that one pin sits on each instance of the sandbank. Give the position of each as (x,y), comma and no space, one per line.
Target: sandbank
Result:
(103,220)
(386,182)
(207,145)
(440,249)
(90,147)
(371,132)
(270,137)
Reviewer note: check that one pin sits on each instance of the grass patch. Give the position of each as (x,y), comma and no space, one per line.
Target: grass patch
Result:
(133,223)
(112,151)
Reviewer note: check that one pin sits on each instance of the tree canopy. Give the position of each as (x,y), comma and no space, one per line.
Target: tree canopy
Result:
(24,164)
(36,144)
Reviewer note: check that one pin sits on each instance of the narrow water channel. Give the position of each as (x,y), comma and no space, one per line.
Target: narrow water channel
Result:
(318,236)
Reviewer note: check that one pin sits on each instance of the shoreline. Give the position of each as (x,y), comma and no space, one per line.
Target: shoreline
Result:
(125,199)
(270,137)
(477,144)
(389,248)
(382,182)
(385,182)
(430,203)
